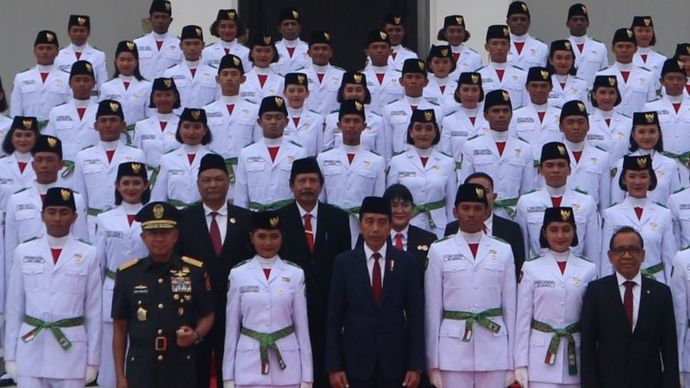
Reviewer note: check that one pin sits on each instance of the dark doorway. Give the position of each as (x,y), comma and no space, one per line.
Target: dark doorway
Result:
(349,22)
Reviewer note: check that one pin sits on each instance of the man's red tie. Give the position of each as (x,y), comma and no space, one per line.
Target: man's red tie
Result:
(541,116)
(267,272)
(676,106)
(309,232)
(472,119)
(56,254)
(424,159)
(443,88)
(350,156)
(125,84)
(291,50)
(159,44)
(80,112)
(296,121)
(78,55)
(580,47)
(561,266)
(519,46)
(130,218)
(628,302)
(214,232)
(273,151)
(376,286)
(190,158)
(163,124)
(262,79)
(193,71)
(456,57)
(638,212)
(473,248)
(22,166)
(230,107)
(44,76)
(399,241)
(501,145)
(625,75)
(320,77)
(644,57)
(556,201)
(393,55)
(110,154)
(577,155)
(499,73)
(379,76)
(608,122)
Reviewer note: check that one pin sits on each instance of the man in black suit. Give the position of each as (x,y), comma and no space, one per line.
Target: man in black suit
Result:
(313,234)
(628,325)
(375,333)
(216,233)
(497,226)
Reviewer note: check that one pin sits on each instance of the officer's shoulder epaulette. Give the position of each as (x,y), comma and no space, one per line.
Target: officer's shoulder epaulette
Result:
(522,139)
(685,248)
(288,262)
(584,258)
(612,205)
(209,44)
(131,146)
(450,113)
(87,147)
(398,153)
(171,66)
(517,109)
(394,101)
(481,67)
(644,68)
(22,189)
(539,40)
(374,113)
(518,67)
(398,70)
(4,156)
(167,152)
(127,264)
(600,147)
(241,263)
(471,49)
(194,262)
(531,191)
(374,152)
(30,239)
(654,100)
(326,149)
(442,239)
(579,190)
(679,190)
(624,115)
(84,241)
(661,204)
(444,154)
(335,111)
(313,111)
(472,137)
(534,258)
(432,102)
(297,144)
(61,104)
(596,40)
(500,239)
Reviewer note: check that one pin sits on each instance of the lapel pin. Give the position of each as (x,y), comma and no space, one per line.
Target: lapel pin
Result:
(232,220)
(391,264)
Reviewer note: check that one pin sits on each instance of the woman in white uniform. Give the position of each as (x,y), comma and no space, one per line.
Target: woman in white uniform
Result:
(550,292)
(117,241)
(646,56)
(5,122)
(16,171)
(227,27)
(566,86)
(441,85)
(262,80)
(608,129)
(266,331)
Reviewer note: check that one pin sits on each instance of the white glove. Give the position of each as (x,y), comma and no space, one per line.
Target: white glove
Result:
(435,378)
(305,385)
(521,376)
(11,369)
(510,377)
(91,373)
(228,384)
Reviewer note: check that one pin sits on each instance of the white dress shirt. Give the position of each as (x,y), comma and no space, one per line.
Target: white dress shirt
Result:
(637,290)
(314,213)
(369,254)
(404,236)
(489,225)
(221,220)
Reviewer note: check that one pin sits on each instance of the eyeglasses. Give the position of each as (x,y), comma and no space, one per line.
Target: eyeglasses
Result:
(632,250)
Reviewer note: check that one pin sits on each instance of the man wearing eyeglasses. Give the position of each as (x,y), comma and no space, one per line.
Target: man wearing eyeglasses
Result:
(627,323)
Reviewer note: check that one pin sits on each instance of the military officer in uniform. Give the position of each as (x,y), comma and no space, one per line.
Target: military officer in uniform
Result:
(162,306)
(550,291)
(79,49)
(267,332)
(53,325)
(383,81)
(159,49)
(525,50)
(590,54)
(499,73)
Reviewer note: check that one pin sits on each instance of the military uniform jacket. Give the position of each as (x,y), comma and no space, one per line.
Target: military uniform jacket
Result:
(384,92)
(592,58)
(23,220)
(431,183)
(654,61)
(469,60)
(674,127)
(213,53)
(513,81)
(680,280)
(290,63)
(441,96)
(592,174)
(195,91)
(575,89)
(656,229)
(70,288)
(33,97)
(456,281)
(176,180)
(640,88)
(534,53)
(614,139)
(371,138)
(95,177)
(67,56)
(323,95)
(667,175)
(116,242)
(233,132)
(513,172)
(156,300)
(261,180)
(74,133)
(401,54)
(12,179)
(149,138)
(549,296)
(679,204)
(308,132)
(396,119)
(526,125)
(252,90)
(456,128)
(134,99)
(530,217)
(266,306)
(152,61)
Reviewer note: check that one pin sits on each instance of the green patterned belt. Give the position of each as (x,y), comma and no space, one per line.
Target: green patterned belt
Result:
(180,204)
(651,271)
(93,212)
(482,319)
(268,341)
(507,205)
(683,158)
(426,210)
(555,343)
(69,168)
(271,206)
(110,274)
(229,163)
(42,124)
(54,327)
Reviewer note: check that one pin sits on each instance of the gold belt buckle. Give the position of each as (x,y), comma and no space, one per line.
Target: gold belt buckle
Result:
(161,344)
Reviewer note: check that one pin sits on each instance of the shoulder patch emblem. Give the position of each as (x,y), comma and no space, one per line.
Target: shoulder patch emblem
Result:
(128,264)
(194,262)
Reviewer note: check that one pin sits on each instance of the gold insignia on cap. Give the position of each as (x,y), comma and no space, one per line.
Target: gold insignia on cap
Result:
(545,74)
(158,211)
(130,45)
(195,114)
(647,21)
(458,19)
(612,81)
(167,6)
(198,31)
(267,40)
(479,191)
(359,106)
(565,215)
(649,117)
(232,14)
(27,123)
(89,68)
(236,61)
(327,36)
(475,78)
(279,101)
(561,149)
(567,45)
(114,106)
(295,14)
(505,32)
(444,52)
(421,64)
(273,221)
(506,96)
(397,19)
(581,106)
(136,168)
(65,194)
(629,33)
(584,8)
(50,36)
(81,20)
(687,48)
(680,64)
(167,82)
(428,115)
(357,77)
(52,142)
(642,162)
(524,6)
(300,79)
(383,35)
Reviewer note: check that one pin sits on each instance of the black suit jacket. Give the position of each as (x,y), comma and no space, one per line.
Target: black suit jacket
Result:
(361,333)
(506,230)
(418,243)
(614,357)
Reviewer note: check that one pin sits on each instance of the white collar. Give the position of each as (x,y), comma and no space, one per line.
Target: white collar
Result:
(223,211)
(314,212)
(368,251)
(637,279)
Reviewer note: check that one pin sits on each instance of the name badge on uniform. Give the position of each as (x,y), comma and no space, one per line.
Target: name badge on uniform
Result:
(481,152)
(544,284)
(140,289)
(407,174)
(536,209)
(33,259)
(25,206)
(246,289)
(255,159)
(88,162)
(328,163)
(285,279)
(452,257)
(525,120)
(684,206)
(114,234)
(176,172)
(398,113)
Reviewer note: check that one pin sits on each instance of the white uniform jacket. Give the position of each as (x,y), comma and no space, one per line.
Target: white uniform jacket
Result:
(154,141)
(456,128)
(308,132)
(652,60)
(12,179)
(526,124)
(384,92)
(67,56)
(443,96)
(50,292)
(456,281)
(680,284)
(266,306)
(534,53)
(213,53)
(591,175)
(674,127)
(513,81)
(639,90)
(75,133)
(679,204)
(176,180)
(323,94)
(613,138)
(592,58)
(290,63)
(152,61)
(396,120)
(574,89)
(667,176)
(33,97)
(371,138)
(134,99)
(252,90)
(468,60)
(195,91)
